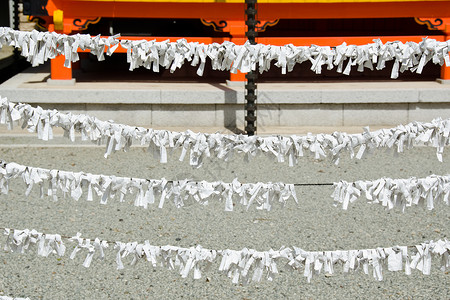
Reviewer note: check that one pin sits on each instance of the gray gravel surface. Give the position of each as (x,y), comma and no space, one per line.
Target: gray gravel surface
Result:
(313,225)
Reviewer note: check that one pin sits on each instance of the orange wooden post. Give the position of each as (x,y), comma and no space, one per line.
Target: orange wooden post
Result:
(58,71)
(238,76)
(445,73)
(237,32)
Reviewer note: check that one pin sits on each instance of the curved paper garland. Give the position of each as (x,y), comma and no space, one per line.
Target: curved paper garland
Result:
(222,146)
(395,192)
(240,265)
(148,191)
(38,47)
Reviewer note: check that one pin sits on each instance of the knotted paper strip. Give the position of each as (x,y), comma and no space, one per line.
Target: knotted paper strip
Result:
(145,191)
(38,47)
(222,146)
(240,265)
(392,193)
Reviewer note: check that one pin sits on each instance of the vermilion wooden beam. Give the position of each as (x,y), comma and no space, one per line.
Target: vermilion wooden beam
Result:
(89,9)
(266,11)
(367,9)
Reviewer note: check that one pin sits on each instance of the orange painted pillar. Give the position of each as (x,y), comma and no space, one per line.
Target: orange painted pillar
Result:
(237,32)
(238,76)
(58,71)
(445,73)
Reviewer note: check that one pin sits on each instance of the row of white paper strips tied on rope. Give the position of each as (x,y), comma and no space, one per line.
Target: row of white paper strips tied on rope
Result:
(147,191)
(392,193)
(38,47)
(388,192)
(12,298)
(240,265)
(222,146)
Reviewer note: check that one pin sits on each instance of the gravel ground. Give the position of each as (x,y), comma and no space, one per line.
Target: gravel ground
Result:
(313,225)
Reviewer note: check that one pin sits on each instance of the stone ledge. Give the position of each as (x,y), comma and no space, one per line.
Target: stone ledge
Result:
(31,86)
(184,97)
(53,82)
